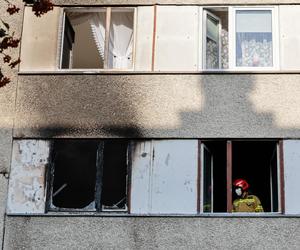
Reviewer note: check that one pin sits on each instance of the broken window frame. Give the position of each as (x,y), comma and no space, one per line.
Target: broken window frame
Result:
(98,208)
(229,181)
(108,11)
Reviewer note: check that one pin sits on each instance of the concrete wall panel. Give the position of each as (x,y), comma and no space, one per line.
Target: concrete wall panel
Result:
(141,166)
(175,175)
(291,149)
(289,37)
(177,38)
(39,50)
(154,105)
(151,233)
(27,192)
(162,171)
(144,38)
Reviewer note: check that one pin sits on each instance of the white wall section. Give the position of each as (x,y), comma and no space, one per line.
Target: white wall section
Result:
(164,177)
(141,168)
(40,40)
(291,149)
(177,38)
(289,37)
(27,178)
(144,38)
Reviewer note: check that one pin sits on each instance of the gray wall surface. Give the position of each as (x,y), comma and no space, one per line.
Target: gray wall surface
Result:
(7,107)
(159,105)
(151,233)
(3,194)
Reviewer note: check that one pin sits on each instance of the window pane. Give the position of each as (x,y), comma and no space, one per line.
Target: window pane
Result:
(208,184)
(114,175)
(121,39)
(254,38)
(212,43)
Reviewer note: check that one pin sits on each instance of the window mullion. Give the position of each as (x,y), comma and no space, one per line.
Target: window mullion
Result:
(231,37)
(107,34)
(99,176)
(229,176)
(281,176)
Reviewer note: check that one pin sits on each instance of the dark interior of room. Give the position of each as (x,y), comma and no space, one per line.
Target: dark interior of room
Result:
(252,161)
(74,173)
(218,150)
(114,181)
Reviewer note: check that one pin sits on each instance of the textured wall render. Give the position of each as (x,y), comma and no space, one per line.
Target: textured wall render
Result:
(151,233)
(231,105)
(7,106)
(8,92)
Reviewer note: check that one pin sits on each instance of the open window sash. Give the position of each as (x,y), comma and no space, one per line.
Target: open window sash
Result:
(275,180)
(212,41)
(207,190)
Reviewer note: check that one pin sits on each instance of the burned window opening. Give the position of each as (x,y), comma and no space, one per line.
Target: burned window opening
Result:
(89,175)
(114,193)
(74,174)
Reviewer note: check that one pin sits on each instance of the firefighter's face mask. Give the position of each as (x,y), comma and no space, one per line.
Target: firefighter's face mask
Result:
(238,191)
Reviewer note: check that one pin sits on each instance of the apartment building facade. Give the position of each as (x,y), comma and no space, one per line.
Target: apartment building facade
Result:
(128,121)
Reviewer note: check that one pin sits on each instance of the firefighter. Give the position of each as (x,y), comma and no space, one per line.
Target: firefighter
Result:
(245,202)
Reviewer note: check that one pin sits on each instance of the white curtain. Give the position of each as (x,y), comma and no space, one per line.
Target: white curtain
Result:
(97,23)
(121,40)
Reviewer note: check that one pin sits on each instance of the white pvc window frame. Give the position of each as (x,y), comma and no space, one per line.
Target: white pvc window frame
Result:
(207,13)
(232,37)
(108,11)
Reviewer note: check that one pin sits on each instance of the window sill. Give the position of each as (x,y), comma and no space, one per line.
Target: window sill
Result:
(115,72)
(115,214)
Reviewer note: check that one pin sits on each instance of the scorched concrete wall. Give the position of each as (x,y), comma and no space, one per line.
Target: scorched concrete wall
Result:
(159,105)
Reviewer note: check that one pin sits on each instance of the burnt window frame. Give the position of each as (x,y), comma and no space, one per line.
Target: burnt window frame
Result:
(49,180)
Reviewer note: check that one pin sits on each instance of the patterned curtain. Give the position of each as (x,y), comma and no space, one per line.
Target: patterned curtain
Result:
(254,49)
